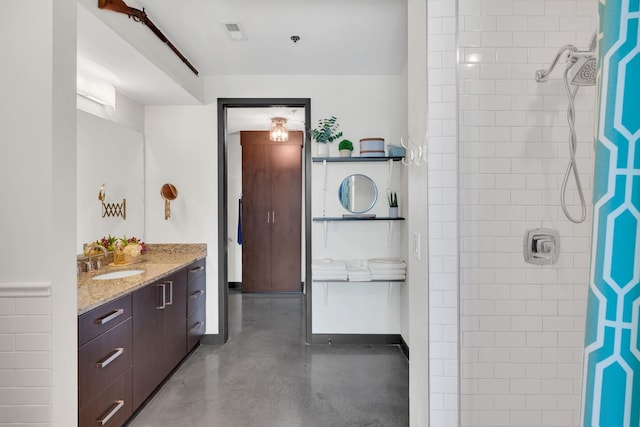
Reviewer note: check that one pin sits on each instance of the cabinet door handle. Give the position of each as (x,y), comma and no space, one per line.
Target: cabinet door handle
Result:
(273,217)
(196,326)
(196,294)
(117,405)
(196,269)
(113,356)
(163,305)
(109,317)
(170,302)
(267,217)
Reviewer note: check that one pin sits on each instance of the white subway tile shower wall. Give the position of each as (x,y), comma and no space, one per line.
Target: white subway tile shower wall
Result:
(443,213)
(521,325)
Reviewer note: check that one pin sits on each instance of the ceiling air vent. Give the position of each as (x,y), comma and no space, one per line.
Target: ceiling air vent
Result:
(234,31)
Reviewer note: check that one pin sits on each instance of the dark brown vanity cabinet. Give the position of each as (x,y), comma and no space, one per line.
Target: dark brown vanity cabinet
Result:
(104,364)
(159,332)
(196,296)
(128,346)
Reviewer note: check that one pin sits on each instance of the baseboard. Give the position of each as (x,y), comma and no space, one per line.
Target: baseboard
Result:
(211,339)
(404,347)
(235,285)
(379,339)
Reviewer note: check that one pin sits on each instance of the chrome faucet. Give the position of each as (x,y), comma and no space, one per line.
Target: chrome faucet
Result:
(89,264)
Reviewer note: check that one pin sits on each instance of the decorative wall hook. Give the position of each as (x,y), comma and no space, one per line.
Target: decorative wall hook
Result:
(112,209)
(416,153)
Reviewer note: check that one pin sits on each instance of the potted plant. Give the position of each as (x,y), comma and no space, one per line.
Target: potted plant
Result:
(345,147)
(328,130)
(393,205)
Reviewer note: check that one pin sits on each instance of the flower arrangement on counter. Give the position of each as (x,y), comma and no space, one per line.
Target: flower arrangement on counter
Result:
(131,246)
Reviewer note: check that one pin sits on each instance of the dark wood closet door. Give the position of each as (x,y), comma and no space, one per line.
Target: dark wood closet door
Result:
(271,212)
(256,218)
(286,176)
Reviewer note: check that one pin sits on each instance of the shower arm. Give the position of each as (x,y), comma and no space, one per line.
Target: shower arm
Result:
(543,75)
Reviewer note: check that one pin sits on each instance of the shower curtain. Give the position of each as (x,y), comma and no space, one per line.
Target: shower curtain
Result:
(611,377)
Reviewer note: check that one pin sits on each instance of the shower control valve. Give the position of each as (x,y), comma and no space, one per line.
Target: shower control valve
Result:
(541,246)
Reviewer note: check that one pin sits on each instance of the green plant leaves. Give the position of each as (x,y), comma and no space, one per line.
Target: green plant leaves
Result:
(328,130)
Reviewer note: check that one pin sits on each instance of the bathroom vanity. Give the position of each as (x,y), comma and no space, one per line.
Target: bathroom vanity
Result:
(134,331)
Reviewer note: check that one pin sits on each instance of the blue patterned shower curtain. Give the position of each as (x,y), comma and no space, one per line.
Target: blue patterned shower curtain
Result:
(611,377)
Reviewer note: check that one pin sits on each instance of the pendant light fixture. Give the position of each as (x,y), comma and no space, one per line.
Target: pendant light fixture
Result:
(279,132)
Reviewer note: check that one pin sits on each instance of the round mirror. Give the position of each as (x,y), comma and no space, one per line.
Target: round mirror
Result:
(358,193)
(168,192)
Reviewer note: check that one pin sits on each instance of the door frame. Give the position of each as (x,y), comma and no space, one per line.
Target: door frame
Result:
(223,268)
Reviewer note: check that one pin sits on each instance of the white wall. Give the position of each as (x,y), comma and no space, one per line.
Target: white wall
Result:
(364,105)
(362,308)
(521,325)
(418,280)
(127,112)
(38,340)
(112,154)
(181,144)
(181,148)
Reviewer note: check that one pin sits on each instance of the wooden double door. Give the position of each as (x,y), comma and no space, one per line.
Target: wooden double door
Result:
(271,212)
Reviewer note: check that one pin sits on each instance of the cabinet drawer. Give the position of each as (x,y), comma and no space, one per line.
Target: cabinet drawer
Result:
(112,405)
(196,295)
(195,328)
(103,318)
(196,269)
(102,360)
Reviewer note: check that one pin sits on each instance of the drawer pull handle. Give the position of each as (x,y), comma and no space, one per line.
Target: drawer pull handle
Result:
(196,294)
(113,356)
(196,269)
(196,326)
(109,317)
(170,302)
(162,305)
(117,405)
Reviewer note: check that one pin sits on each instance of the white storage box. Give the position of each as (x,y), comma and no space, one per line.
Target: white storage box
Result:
(372,147)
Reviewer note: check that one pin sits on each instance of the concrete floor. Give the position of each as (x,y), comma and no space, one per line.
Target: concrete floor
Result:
(266,376)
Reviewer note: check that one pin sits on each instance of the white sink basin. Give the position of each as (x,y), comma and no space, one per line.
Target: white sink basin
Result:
(118,274)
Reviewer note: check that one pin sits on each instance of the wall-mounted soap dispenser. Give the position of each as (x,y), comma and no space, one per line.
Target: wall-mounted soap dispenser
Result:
(541,246)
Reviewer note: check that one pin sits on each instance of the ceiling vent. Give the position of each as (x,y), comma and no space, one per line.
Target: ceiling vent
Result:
(234,31)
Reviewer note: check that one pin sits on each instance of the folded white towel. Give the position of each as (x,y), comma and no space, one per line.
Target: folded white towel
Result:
(387,260)
(356,263)
(331,276)
(328,264)
(388,273)
(386,264)
(359,279)
(329,273)
(359,274)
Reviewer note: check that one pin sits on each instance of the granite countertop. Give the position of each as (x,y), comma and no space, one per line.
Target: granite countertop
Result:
(159,261)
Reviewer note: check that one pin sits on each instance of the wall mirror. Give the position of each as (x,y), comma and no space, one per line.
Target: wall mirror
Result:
(112,154)
(358,193)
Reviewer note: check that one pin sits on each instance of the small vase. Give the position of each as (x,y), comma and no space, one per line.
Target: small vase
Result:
(322,149)
(345,153)
(393,212)
(118,257)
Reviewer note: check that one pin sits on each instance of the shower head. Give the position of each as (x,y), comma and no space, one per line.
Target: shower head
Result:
(583,61)
(583,71)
